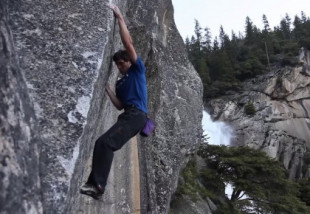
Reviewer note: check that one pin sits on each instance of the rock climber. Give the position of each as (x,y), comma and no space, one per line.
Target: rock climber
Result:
(130,95)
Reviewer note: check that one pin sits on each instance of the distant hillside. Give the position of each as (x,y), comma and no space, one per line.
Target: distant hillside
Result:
(225,62)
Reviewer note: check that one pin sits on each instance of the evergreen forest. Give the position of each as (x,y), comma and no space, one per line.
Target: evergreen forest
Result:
(228,60)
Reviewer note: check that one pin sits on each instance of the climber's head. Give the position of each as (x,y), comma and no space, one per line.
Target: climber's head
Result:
(122,61)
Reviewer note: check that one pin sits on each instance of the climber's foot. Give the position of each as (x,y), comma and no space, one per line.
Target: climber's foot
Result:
(92,191)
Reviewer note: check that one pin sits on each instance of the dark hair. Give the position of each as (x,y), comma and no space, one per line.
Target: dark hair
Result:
(121,54)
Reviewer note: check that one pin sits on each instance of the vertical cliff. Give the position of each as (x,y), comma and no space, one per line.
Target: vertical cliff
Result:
(19,141)
(279,121)
(56,56)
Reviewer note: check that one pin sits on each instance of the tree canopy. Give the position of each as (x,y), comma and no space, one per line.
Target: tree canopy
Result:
(259,183)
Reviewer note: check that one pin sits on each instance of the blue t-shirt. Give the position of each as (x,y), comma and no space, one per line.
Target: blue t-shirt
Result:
(131,89)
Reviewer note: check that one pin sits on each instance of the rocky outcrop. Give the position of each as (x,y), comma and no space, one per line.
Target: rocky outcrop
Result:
(64,53)
(280,124)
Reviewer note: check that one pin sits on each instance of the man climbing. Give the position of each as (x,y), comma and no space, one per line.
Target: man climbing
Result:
(131,95)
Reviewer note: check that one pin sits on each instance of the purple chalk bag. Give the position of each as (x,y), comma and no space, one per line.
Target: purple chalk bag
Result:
(148,128)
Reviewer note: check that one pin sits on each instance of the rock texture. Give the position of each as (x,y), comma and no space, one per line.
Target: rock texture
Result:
(185,205)
(281,123)
(19,140)
(58,60)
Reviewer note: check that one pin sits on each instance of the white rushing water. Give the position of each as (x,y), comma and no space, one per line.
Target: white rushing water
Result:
(219,132)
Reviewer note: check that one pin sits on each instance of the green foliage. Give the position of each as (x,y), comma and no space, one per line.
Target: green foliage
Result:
(191,186)
(304,188)
(305,167)
(225,62)
(249,109)
(307,158)
(259,182)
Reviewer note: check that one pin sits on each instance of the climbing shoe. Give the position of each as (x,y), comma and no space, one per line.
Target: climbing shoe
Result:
(92,191)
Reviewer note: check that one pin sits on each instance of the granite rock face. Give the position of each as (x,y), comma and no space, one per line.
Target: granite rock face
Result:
(19,140)
(59,63)
(281,124)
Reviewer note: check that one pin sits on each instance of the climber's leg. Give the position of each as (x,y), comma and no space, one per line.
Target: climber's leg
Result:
(128,125)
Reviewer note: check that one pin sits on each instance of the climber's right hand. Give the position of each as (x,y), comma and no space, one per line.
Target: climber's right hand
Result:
(116,11)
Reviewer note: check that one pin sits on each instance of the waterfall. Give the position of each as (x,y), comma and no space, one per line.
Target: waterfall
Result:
(219,132)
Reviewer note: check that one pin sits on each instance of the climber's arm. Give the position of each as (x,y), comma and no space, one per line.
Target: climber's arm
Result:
(125,35)
(116,102)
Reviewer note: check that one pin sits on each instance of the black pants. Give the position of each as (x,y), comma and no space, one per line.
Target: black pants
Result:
(128,125)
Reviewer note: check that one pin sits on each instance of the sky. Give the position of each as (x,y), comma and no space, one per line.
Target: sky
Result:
(232,14)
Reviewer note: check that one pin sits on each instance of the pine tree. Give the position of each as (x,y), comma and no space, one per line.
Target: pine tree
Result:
(224,39)
(198,33)
(249,29)
(288,23)
(222,36)
(266,24)
(297,27)
(215,44)
(187,44)
(258,181)
(234,38)
(285,29)
(204,73)
(206,42)
(303,17)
